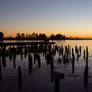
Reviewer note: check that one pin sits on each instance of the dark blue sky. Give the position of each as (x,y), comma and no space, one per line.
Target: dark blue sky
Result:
(71,17)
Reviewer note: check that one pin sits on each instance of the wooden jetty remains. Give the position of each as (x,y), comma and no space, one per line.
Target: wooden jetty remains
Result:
(5,44)
(32,45)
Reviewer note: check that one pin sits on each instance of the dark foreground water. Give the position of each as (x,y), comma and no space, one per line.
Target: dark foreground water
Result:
(76,79)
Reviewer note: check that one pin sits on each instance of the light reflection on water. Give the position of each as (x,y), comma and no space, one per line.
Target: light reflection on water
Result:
(73,43)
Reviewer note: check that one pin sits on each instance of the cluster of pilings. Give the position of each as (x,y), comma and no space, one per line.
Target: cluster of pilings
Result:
(66,55)
(12,50)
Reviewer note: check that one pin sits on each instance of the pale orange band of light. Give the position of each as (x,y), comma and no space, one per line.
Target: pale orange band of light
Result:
(70,34)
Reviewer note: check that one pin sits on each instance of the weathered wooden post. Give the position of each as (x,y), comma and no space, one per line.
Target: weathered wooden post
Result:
(10,53)
(14,57)
(39,61)
(87,56)
(21,52)
(84,54)
(80,50)
(25,50)
(77,55)
(72,51)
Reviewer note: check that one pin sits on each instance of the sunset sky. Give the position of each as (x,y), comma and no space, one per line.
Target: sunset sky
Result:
(68,17)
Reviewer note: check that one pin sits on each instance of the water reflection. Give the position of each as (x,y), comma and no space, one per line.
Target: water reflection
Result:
(19,78)
(0,70)
(86,77)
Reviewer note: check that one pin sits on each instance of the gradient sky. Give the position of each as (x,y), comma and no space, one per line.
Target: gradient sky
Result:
(69,17)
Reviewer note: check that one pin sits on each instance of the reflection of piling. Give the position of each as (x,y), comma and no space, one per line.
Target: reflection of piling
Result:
(57,84)
(19,78)
(52,68)
(59,60)
(30,64)
(0,71)
(14,64)
(73,63)
(57,76)
(86,77)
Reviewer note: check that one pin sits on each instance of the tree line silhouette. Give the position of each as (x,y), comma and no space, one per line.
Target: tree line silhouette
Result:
(40,36)
(33,36)
(1,36)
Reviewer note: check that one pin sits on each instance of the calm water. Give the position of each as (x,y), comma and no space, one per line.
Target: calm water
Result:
(40,79)
(73,43)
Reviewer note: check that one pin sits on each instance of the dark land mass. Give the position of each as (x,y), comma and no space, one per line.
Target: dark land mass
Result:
(41,36)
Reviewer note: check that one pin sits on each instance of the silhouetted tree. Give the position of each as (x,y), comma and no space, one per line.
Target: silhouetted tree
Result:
(22,36)
(42,37)
(52,37)
(59,37)
(1,36)
(36,36)
(18,36)
(33,36)
(27,36)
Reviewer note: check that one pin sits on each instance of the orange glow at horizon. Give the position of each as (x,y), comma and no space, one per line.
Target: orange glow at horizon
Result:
(67,34)
(67,31)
